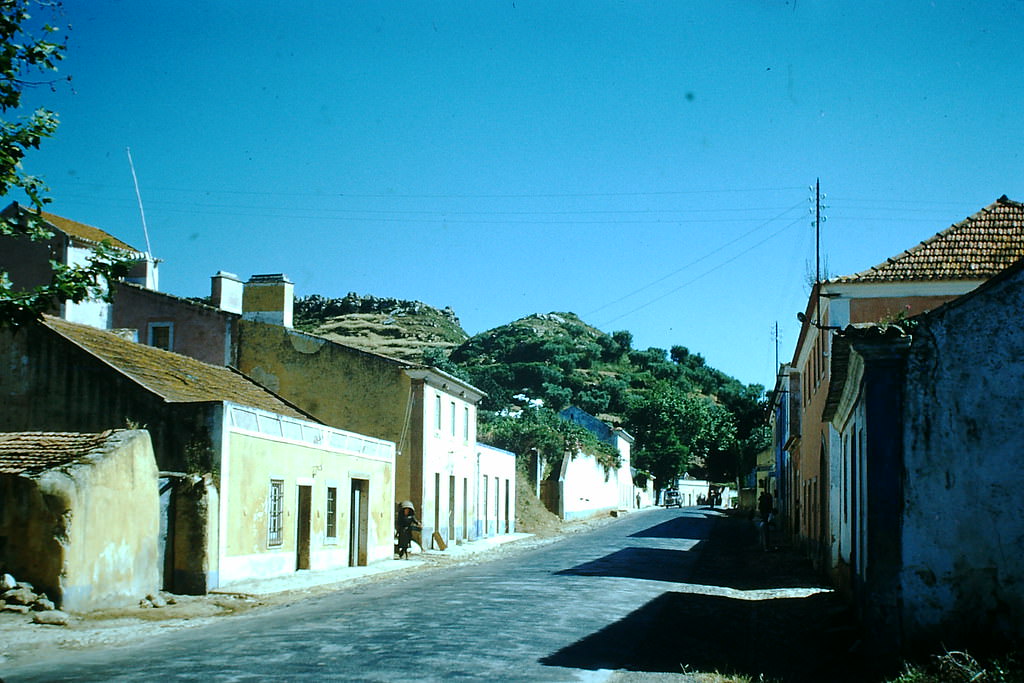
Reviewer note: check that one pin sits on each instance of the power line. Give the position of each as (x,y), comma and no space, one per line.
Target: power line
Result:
(694,262)
(707,272)
(463,195)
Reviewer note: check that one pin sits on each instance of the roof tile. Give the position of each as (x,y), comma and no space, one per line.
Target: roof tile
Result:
(32,452)
(976,248)
(175,378)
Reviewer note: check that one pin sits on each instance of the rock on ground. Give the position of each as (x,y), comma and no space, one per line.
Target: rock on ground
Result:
(52,618)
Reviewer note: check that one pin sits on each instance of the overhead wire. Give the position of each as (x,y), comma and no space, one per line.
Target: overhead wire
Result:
(705,273)
(694,262)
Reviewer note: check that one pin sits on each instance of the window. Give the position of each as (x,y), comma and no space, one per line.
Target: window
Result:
(332,512)
(465,423)
(437,412)
(453,418)
(161,335)
(275,516)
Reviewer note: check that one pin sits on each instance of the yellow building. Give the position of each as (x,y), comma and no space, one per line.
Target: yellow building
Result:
(430,416)
(250,485)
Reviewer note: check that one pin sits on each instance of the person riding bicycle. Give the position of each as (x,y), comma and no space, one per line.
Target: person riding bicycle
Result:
(406,524)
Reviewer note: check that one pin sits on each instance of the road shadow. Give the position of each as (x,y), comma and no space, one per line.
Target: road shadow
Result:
(655,564)
(732,557)
(690,525)
(727,554)
(782,637)
(787,639)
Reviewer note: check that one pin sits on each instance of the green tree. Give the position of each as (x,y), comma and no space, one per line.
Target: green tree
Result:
(542,430)
(624,339)
(29,55)
(678,432)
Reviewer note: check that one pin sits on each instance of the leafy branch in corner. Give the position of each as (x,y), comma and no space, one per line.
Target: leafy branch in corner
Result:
(24,54)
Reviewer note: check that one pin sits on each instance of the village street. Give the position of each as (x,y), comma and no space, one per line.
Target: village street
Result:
(654,592)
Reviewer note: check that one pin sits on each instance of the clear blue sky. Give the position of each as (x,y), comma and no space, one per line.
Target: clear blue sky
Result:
(642,164)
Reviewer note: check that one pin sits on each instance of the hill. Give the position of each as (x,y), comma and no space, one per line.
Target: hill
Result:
(563,360)
(685,415)
(392,327)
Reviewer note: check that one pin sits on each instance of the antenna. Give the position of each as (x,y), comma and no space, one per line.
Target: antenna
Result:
(145,230)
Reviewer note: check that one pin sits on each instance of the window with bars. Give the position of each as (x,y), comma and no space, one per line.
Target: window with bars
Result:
(275,516)
(332,512)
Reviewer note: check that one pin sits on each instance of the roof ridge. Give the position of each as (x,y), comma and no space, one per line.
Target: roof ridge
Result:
(976,220)
(76,229)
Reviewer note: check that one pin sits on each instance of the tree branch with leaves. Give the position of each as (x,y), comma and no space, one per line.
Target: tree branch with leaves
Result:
(29,55)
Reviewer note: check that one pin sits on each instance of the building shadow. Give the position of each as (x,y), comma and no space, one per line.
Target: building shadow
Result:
(787,639)
(690,525)
(655,564)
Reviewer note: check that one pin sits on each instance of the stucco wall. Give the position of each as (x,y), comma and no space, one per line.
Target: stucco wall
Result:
(95,312)
(86,533)
(447,451)
(962,565)
(254,460)
(339,385)
(586,487)
(882,308)
(497,514)
(200,332)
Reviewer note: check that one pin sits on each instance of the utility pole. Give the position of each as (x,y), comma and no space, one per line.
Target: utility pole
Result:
(818,220)
(775,336)
(817,231)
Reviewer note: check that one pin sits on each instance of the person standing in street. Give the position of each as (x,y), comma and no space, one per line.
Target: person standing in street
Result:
(765,505)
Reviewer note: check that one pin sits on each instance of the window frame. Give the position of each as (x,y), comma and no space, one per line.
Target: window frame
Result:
(164,325)
(331,512)
(275,514)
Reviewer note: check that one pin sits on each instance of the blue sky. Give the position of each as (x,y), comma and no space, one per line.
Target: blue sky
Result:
(643,164)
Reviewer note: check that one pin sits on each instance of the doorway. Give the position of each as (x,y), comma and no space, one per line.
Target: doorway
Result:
(451,507)
(359,523)
(302,533)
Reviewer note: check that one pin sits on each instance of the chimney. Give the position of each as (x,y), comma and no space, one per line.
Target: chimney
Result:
(226,292)
(269,299)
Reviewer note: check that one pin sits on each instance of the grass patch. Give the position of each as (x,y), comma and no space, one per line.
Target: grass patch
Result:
(957,666)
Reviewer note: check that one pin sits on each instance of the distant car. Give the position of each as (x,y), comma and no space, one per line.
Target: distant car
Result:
(672,499)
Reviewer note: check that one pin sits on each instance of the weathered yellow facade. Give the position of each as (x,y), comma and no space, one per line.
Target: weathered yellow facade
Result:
(430,416)
(298,495)
(85,531)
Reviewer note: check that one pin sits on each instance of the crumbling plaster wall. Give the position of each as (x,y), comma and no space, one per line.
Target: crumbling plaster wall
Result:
(964,469)
(86,533)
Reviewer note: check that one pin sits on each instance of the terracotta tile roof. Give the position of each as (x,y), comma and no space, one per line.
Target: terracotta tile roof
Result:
(31,452)
(976,248)
(173,377)
(83,231)
(74,229)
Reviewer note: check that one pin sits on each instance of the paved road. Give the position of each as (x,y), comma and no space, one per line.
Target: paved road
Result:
(570,611)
